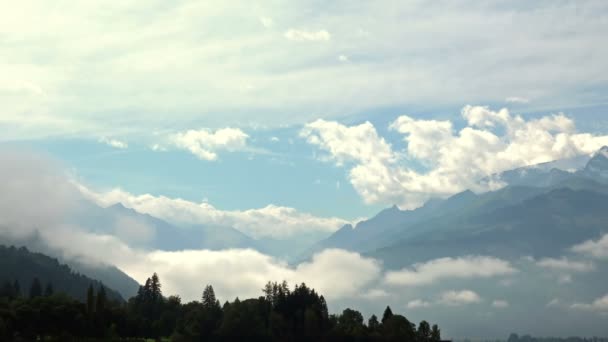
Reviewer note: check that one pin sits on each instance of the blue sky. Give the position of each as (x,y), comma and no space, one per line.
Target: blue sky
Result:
(95,74)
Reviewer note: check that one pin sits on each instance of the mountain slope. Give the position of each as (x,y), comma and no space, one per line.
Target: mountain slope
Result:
(541,226)
(19,264)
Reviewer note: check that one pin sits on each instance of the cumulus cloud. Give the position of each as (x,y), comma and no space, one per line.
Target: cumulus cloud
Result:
(565,265)
(114,143)
(457,298)
(453,160)
(598,305)
(597,249)
(306,35)
(449,268)
(270,221)
(205,143)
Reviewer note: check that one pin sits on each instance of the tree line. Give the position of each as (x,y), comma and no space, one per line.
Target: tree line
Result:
(279,314)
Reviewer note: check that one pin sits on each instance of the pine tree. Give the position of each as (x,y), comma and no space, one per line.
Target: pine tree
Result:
(90,300)
(36,288)
(435,333)
(373,323)
(424,332)
(48,290)
(17,288)
(155,288)
(388,313)
(101,300)
(209,301)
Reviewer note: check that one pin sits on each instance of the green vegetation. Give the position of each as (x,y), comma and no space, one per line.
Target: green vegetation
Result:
(280,314)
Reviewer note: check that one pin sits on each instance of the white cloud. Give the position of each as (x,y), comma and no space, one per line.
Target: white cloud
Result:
(139,75)
(114,143)
(275,139)
(449,268)
(517,99)
(599,305)
(555,302)
(500,304)
(306,35)
(565,265)
(597,249)
(266,22)
(375,294)
(37,199)
(205,143)
(491,142)
(270,221)
(418,303)
(457,298)
(343,58)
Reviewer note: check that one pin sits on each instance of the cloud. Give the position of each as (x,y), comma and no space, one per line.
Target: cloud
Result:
(517,99)
(114,143)
(500,304)
(266,22)
(565,265)
(449,268)
(452,161)
(205,143)
(597,249)
(598,305)
(555,302)
(305,35)
(139,75)
(270,221)
(37,200)
(457,298)
(418,303)
(343,58)
(274,139)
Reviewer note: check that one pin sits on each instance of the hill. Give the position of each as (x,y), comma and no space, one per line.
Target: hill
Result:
(19,264)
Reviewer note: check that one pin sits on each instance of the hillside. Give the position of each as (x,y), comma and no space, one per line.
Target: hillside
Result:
(19,264)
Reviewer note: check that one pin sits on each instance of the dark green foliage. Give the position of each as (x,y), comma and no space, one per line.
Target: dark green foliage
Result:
(36,288)
(388,313)
(48,290)
(435,333)
(20,266)
(281,314)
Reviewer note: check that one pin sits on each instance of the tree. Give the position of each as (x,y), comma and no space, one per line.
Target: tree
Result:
(36,288)
(100,305)
(373,324)
(435,333)
(209,301)
(17,288)
(90,300)
(48,290)
(388,313)
(397,327)
(350,323)
(424,332)
(155,286)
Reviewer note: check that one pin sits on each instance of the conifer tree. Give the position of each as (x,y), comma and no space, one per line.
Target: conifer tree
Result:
(36,288)
(90,300)
(48,290)
(388,313)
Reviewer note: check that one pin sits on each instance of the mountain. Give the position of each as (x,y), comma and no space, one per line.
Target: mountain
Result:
(541,226)
(148,232)
(19,264)
(569,206)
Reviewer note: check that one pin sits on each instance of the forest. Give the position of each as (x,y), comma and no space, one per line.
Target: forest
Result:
(37,312)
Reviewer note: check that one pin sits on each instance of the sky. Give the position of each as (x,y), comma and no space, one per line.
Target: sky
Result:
(283,119)
(207,101)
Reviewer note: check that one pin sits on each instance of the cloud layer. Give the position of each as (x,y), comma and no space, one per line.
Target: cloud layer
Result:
(129,69)
(451,160)
(271,221)
(450,268)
